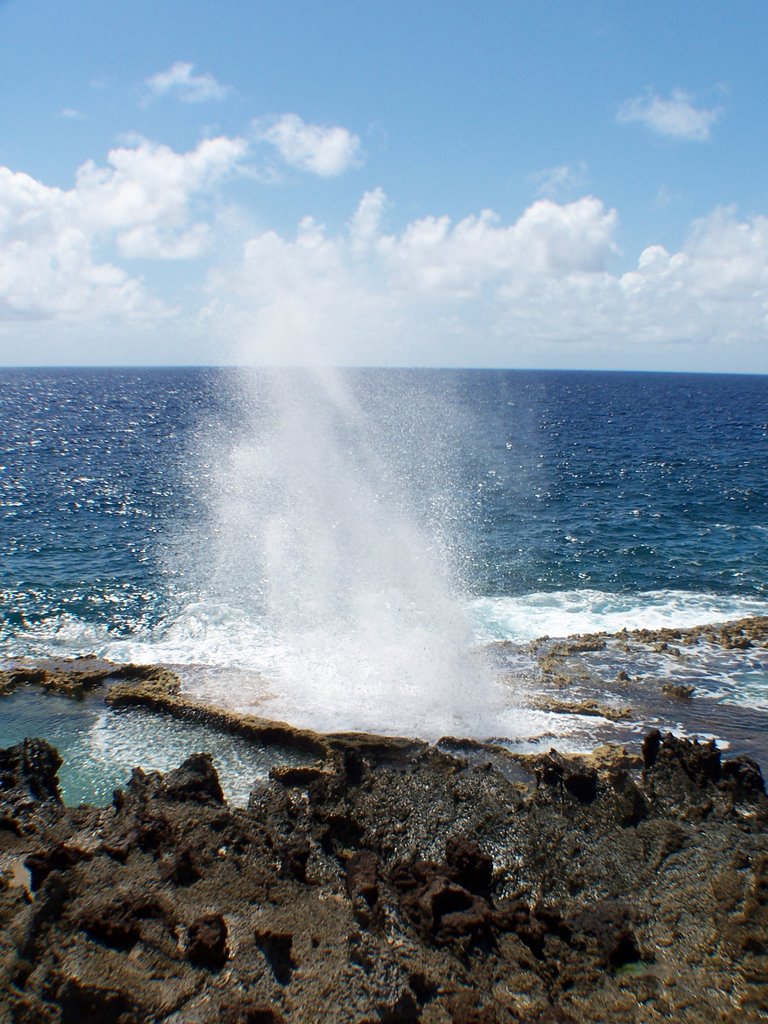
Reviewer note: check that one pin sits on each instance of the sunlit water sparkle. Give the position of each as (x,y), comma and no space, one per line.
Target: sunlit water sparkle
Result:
(337,551)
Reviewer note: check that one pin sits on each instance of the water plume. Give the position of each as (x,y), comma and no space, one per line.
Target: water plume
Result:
(337,524)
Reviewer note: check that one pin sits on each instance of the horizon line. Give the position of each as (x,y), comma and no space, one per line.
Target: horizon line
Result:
(378,368)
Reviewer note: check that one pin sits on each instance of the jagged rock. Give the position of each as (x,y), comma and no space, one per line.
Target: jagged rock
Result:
(470,866)
(609,922)
(564,775)
(651,747)
(30,769)
(195,780)
(295,856)
(207,942)
(533,925)
(442,889)
(182,867)
(277,948)
(363,876)
(89,1004)
(743,776)
(437,905)
(117,920)
(678,691)
(466,1007)
(58,857)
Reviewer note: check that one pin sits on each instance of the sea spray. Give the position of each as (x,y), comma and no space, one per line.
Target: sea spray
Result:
(337,520)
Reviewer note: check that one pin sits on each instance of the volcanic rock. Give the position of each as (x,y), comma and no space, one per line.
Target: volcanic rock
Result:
(396,882)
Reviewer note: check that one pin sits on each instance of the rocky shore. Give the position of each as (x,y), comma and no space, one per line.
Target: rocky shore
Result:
(387,880)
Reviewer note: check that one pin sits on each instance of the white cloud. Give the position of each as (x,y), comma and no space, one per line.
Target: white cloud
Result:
(325,151)
(364,295)
(538,291)
(152,186)
(561,181)
(179,79)
(72,115)
(541,289)
(147,241)
(677,116)
(59,249)
(365,225)
(432,255)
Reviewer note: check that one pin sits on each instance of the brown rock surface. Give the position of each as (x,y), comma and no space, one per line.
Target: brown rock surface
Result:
(395,883)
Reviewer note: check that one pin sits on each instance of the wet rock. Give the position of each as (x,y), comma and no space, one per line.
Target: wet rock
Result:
(608,759)
(196,780)
(207,942)
(474,888)
(589,707)
(700,761)
(685,772)
(651,747)
(30,769)
(678,691)
(298,775)
(630,806)
(563,775)
(743,777)
(13,678)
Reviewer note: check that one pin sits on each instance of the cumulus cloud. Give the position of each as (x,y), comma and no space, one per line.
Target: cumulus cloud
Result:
(151,186)
(59,249)
(181,81)
(482,292)
(433,255)
(677,116)
(478,290)
(325,151)
(365,295)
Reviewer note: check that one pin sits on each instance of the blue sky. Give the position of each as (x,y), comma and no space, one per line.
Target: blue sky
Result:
(555,184)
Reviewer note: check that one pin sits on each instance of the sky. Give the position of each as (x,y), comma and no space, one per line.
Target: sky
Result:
(512,183)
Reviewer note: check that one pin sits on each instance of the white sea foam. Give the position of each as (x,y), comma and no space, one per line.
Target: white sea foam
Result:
(403,676)
(566,612)
(220,635)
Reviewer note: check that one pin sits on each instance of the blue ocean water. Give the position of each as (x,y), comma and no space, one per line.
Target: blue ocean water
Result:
(558,502)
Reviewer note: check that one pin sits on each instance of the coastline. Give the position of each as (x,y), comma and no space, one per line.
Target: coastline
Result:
(386,878)
(616,686)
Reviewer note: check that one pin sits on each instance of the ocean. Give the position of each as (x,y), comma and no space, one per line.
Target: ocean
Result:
(344,549)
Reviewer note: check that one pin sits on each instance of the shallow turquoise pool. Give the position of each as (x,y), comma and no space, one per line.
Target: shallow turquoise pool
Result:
(100,745)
